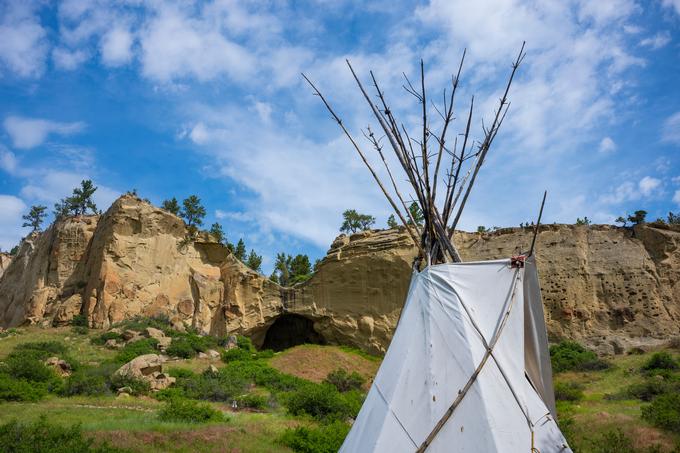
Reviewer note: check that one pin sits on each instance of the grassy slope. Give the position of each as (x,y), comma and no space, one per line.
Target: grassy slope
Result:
(596,414)
(133,423)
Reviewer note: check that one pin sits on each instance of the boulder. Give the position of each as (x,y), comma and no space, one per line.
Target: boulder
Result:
(129,334)
(112,344)
(141,367)
(212,354)
(61,367)
(151,332)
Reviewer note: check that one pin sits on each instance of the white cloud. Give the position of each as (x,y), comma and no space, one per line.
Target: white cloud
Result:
(264,110)
(23,46)
(648,185)
(116,47)
(8,161)
(176,46)
(12,209)
(657,41)
(68,59)
(670,132)
(31,132)
(676,197)
(234,215)
(607,145)
(199,134)
(674,4)
(49,186)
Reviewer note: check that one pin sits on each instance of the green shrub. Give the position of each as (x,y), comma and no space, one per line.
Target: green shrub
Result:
(344,381)
(236,354)
(245,343)
(138,386)
(137,348)
(106,336)
(649,389)
(29,366)
(664,412)
(180,347)
(43,437)
(80,321)
(614,441)
(568,391)
(253,401)
(181,410)
(181,373)
(12,389)
(44,349)
(323,402)
(569,355)
(324,439)
(90,381)
(661,361)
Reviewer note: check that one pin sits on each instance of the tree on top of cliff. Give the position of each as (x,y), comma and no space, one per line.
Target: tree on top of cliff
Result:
(254,261)
(289,270)
(638,217)
(193,212)
(217,231)
(392,222)
(78,203)
(674,219)
(416,214)
(171,205)
(353,221)
(240,250)
(35,217)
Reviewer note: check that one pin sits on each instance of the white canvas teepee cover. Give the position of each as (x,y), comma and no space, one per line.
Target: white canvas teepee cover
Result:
(435,351)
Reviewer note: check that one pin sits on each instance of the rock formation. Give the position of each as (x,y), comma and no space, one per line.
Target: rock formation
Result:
(5,259)
(610,287)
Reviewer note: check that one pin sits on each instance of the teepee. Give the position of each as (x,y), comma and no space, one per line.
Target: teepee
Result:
(468,368)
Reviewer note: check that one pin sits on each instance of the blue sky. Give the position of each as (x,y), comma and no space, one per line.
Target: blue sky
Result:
(180,98)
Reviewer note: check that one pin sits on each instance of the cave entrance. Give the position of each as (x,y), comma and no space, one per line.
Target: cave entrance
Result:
(291,330)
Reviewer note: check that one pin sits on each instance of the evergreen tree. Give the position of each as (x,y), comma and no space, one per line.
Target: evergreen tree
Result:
(193,213)
(674,219)
(353,221)
(274,277)
(217,232)
(282,266)
(621,220)
(240,250)
(300,269)
(416,213)
(35,217)
(61,209)
(254,261)
(638,217)
(582,221)
(171,205)
(391,222)
(81,200)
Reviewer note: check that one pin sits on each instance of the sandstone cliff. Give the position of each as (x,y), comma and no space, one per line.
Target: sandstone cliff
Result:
(5,259)
(610,287)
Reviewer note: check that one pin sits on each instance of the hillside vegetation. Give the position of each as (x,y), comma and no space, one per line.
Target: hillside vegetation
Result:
(300,399)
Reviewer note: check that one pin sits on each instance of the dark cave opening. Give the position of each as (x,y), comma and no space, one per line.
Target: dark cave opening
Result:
(291,330)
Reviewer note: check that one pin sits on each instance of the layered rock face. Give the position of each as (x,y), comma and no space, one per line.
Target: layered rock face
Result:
(5,259)
(609,287)
(134,260)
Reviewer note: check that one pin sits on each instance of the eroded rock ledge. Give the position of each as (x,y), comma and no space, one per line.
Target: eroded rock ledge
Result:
(610,287)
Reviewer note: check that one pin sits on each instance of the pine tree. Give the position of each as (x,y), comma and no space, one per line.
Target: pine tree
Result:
(638,217)
(240,250)
(416,213)
(254,261)
(353,221)
(171,206)
(217,232)
(35,217)
(81,200)
(391,222)
(193,213)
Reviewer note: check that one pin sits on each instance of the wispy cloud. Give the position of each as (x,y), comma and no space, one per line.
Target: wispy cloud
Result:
(657,41)
(24,45)
(670,132)
(607,145)
(28,133)
(12,209)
